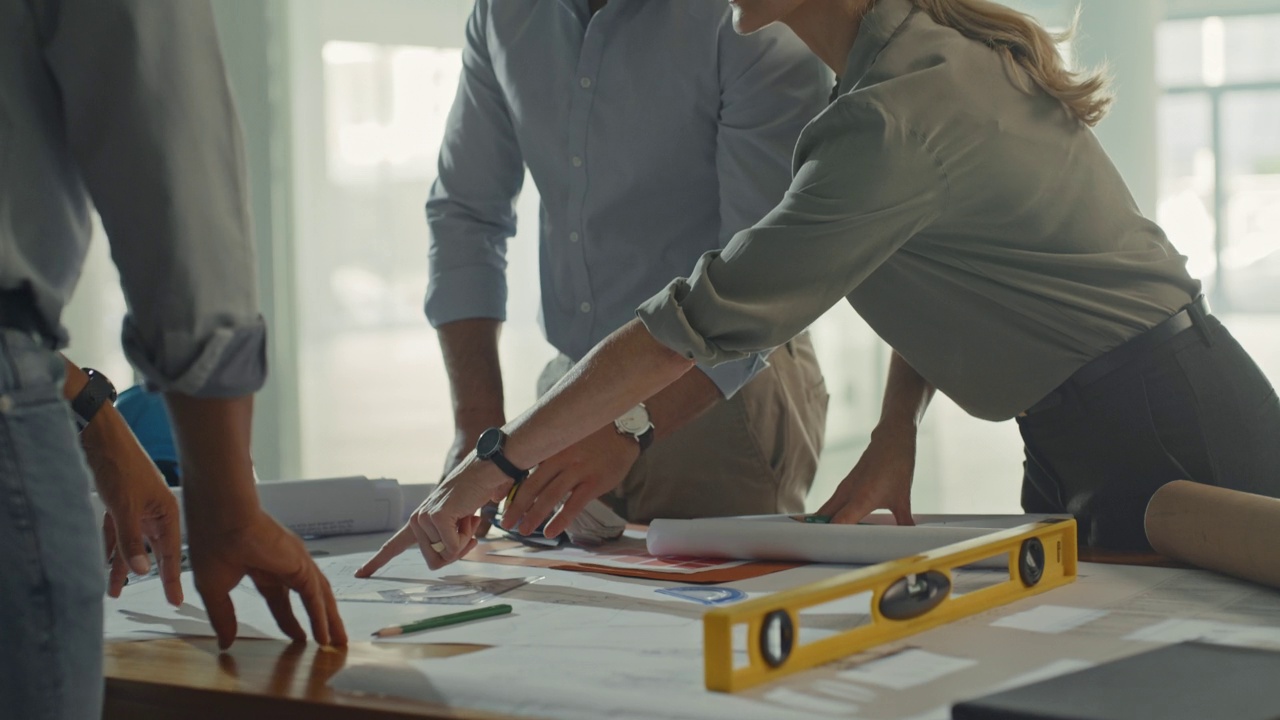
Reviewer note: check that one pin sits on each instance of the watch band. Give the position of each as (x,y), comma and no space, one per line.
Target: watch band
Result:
(489,447)
(97,391)
(645,439)
(628,425)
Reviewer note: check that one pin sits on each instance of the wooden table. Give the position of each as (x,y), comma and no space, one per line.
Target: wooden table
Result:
(188,678)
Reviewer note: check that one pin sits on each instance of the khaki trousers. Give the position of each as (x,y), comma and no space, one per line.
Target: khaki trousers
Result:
(754,453)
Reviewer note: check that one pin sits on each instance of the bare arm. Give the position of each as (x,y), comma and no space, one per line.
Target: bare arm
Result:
(624,369)
(882,478)
(217,471)
(470,349)
(906,396)
(591,467)
(229,534)
(681,402)
(140,507)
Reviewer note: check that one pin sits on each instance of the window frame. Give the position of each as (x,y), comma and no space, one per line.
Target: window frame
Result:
(1217,94)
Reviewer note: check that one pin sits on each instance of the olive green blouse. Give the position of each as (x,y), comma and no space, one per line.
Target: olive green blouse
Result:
(979,229)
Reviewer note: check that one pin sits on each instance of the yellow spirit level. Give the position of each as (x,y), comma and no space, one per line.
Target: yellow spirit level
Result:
(909,595)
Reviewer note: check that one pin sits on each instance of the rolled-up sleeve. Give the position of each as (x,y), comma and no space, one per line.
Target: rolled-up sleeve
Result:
(771,87)
(864,185)
(152,127)
(471,210)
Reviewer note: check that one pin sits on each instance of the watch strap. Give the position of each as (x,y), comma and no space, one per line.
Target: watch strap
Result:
(495,454)
(95,393)
(645,439)
(505,466)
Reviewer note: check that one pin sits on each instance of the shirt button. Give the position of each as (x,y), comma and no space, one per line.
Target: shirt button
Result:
(585,82)
(573,236)
(585,307)
(577,161)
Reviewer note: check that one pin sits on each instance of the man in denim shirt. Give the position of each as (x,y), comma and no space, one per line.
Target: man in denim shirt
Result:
(125,103)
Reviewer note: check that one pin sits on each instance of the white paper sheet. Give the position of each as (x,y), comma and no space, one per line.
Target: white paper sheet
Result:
(141,613)
(1176,630)
(625,557)
(810,703)
(1049,619)
(779,537)
(907,669)
(546,682)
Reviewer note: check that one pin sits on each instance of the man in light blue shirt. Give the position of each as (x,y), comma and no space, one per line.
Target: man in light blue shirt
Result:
(654,132)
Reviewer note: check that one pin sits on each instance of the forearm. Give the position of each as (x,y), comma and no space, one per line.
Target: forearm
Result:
(213,437)
(76,380)
(108,438)
(624,369)
(470,350)
(906,396)
(681,402)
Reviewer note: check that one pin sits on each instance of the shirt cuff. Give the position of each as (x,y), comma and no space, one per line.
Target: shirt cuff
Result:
(732,376)
(229,362)
(666,318)
(477,291)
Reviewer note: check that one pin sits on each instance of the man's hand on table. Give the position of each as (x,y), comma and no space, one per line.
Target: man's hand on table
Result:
(141,509)
(277,562)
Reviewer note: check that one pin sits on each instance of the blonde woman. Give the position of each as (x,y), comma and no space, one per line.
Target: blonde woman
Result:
(954,194)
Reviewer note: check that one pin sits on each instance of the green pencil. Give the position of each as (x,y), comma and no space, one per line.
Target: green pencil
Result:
(442,620)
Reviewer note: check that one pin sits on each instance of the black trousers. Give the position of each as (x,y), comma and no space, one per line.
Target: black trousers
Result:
(1193,408)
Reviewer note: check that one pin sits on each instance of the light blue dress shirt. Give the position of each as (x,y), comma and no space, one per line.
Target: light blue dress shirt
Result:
(653,131)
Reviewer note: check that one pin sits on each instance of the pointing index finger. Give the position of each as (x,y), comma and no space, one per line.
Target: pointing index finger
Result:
(401,541)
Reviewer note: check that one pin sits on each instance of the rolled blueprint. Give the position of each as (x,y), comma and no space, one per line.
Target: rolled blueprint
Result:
(332,506)
(783,538)
(1232,532)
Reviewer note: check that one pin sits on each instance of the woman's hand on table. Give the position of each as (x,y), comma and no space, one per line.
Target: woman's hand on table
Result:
(881,479)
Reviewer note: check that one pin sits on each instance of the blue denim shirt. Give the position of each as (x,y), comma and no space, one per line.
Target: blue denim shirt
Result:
(126,103)
(654,133)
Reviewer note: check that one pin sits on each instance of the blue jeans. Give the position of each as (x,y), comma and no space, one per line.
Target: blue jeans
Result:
(51,567)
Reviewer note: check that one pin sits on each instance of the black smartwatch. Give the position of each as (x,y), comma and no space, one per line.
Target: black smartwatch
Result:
(89,401)
(489,447)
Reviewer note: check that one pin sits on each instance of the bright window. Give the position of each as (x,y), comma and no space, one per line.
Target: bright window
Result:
(1220,154)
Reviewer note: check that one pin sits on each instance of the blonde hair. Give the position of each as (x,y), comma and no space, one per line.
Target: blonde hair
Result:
(1021,40)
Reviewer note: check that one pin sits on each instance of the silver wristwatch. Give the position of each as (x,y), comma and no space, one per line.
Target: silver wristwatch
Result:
(635,423)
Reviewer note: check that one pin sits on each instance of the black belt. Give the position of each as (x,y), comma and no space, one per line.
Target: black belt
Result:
(18,312)
(1099,367)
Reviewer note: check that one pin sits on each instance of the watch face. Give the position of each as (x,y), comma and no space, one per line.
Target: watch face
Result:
(490,442)
(635,421)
